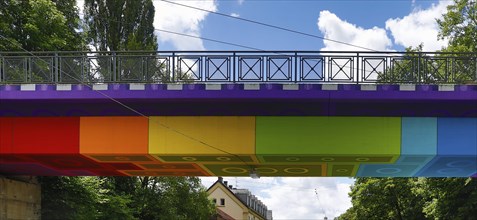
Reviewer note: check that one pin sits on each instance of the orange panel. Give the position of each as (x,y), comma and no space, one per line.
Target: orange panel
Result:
(114,135)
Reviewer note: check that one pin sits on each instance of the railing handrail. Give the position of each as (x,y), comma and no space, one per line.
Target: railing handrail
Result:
(237,51)
(238,66)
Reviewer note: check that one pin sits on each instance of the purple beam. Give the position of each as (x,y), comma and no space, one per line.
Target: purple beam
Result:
(235,99)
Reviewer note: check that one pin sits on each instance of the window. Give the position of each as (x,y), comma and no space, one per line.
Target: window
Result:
(214,201)
(222,202)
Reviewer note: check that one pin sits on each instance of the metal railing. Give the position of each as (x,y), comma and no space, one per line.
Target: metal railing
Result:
(238,67)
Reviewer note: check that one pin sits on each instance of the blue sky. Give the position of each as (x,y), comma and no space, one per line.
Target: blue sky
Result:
(381,25)
(375,24)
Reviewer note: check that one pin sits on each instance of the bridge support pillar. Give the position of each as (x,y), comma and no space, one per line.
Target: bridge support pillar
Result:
(20,198)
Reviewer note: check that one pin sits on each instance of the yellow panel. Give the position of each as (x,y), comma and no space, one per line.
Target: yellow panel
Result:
(194,135)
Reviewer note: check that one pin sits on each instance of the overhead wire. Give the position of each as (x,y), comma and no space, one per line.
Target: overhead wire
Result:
(132,109)
(238,45)
(269,25)
(202,38)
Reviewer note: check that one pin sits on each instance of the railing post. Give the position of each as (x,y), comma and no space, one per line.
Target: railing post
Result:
(84,59)
(419,60)
(357,68)
(173,67)
(56,68)
(296,67)
(475,79)
(2,68)
(27,66)
(234,66)
(113,73)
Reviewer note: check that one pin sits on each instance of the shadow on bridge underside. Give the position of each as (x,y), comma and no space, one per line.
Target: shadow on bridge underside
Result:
(235,145)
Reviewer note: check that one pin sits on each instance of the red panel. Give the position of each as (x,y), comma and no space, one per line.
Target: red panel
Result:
(15,158)
(122,166)
(42,135)
(6,134)
(66,161)
(33,169)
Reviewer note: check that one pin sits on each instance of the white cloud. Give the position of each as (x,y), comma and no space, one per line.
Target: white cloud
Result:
(180,19)
(282,194)
(80,5)
(240,2)
(235,15)
(334,28)
(418,27)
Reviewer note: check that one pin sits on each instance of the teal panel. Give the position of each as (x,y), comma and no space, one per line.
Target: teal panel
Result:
(419,136)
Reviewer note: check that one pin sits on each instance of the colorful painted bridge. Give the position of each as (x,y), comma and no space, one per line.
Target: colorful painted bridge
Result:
(195,126)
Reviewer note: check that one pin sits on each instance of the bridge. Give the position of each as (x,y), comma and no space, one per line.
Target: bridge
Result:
(238,113)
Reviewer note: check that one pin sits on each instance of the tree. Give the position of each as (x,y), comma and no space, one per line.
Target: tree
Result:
(459,25)
(124,198)
(458,62)
(170,198)
(120,25)
(385,198)
(123,25)
(68,198)
(37,25)
(23,24)
(450,198)
(404,69)
(413,198)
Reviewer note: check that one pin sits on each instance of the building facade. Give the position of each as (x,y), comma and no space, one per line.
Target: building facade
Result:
(237,203)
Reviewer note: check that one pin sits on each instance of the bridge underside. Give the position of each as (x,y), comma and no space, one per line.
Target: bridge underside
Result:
(231,130)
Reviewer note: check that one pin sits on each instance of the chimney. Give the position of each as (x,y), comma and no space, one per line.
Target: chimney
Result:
(230,187)
(225,183)
(220,179)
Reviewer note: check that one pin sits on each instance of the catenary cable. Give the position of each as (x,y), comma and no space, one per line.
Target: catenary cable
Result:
(134,110)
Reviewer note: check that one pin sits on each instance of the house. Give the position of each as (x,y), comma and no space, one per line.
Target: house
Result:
(237,204)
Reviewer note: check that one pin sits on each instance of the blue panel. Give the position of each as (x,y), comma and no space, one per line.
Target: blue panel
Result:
(418,147)
(388,170)
(457,136)
(450,166)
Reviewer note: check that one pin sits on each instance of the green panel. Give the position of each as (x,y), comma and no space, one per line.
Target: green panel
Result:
(266,170)
(206,159)
(344,136)
(313,159)
(342,169)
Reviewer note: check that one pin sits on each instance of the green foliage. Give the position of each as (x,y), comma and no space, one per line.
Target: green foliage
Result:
(24,24)
(173,198)
(68,198)
(403,69)
(119,25)
(458,65)
(450,198)
(413,198)
(124,198)
(123,25)
(459,24)
(385,198)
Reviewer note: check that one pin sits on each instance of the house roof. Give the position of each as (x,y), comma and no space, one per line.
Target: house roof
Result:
(224,215)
